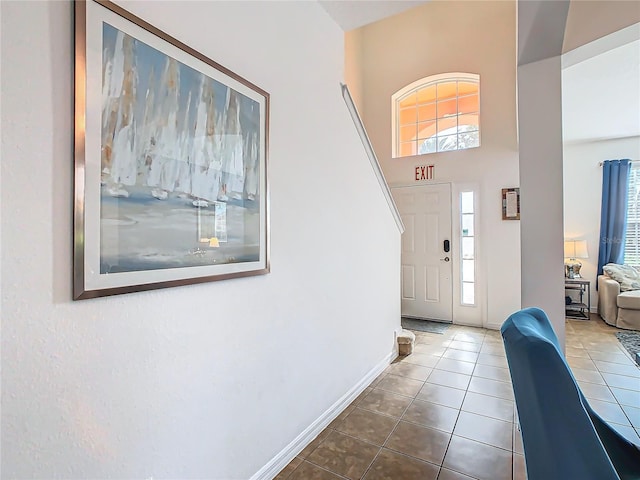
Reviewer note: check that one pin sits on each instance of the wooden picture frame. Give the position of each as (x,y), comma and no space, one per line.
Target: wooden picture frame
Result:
(170,161)
(511,204)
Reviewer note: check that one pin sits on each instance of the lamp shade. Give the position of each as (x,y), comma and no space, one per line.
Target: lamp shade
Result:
(575,249)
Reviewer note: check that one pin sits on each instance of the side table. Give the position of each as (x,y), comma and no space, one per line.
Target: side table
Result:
(575,289)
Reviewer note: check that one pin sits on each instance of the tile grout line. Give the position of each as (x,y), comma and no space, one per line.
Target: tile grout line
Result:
(579,337)
(455,424)
(389,435)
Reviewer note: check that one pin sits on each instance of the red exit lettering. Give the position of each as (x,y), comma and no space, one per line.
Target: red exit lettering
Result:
(424,172)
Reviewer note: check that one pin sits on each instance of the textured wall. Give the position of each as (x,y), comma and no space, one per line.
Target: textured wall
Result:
(540,123)
(208,381)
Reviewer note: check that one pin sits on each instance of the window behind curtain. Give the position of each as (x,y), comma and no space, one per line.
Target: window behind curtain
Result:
(632,243)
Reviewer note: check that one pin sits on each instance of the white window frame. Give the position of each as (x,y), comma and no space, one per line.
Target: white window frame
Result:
(474,214)
(421,83)
(632,240)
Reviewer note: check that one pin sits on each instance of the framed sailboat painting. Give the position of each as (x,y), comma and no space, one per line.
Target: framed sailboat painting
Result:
(170,161)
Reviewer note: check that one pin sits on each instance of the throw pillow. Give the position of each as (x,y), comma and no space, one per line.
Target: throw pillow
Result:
(627,276)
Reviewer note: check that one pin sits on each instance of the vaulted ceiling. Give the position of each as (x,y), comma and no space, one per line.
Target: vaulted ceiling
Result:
(608,78)
(601,93)
(351,14)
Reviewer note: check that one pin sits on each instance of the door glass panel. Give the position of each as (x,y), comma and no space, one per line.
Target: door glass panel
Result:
(467,248)
(468,270)
(467,239)
(468,293)
(466,199)
(467,225)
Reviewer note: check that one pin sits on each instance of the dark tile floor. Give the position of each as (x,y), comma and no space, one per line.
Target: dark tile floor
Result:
(446,412)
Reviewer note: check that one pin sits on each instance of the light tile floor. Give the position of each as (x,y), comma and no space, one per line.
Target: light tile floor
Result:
(446,412)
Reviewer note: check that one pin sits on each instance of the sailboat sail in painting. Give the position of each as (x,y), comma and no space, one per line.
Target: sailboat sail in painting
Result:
(180,153)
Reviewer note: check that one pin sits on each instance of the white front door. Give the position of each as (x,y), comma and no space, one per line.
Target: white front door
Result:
(426,251)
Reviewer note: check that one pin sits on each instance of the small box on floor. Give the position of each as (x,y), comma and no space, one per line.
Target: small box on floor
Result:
(406,339)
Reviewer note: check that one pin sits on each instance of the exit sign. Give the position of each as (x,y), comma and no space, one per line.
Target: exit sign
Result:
(424,172)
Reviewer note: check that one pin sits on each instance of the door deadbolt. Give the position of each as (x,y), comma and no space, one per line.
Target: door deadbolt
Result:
(445,259)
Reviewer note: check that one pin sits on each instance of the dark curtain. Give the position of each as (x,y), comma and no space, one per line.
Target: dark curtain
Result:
(613,213)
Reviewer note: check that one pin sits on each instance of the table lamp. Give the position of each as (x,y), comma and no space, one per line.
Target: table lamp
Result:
(574,249)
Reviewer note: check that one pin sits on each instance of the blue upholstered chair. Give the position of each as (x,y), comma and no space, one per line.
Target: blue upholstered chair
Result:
(563,438)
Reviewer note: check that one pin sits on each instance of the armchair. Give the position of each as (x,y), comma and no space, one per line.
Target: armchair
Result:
(563,438)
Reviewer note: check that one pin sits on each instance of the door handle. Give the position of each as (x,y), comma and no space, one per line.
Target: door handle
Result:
(445,259)
(446,246)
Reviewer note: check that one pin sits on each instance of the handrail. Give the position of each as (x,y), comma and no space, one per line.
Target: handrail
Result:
(372,155)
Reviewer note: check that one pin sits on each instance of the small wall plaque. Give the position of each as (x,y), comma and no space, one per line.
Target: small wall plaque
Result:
(510,204)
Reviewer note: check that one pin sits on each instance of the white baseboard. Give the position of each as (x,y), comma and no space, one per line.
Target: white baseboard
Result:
(288,453)
(493,326)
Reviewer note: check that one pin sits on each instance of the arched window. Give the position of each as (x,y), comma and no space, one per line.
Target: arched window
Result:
(436,114)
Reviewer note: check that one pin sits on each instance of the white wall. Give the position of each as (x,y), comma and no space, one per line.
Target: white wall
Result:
(475,37)
(540,122)
(207,381)
(541,28)
(583,195)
